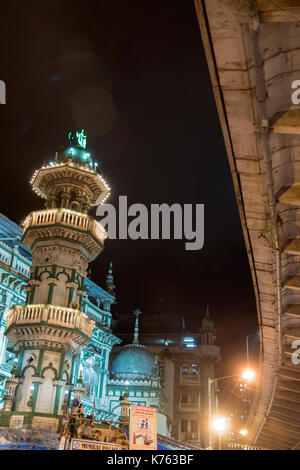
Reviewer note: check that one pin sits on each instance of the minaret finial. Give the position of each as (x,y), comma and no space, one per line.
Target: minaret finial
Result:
(207,311)
(137,312)
(110,280)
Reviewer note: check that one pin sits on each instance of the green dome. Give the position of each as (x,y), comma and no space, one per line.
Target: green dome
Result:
(78,155)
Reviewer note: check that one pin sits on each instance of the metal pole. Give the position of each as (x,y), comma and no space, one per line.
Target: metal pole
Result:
(209,414)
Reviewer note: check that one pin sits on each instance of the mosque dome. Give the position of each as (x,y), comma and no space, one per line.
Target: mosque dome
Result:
(134,361)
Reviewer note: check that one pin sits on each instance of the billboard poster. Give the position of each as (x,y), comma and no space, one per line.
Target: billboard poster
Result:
(82,444)
(143,428)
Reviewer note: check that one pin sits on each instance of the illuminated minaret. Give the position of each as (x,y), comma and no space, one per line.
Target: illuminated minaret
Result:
(110,287)
(50,330)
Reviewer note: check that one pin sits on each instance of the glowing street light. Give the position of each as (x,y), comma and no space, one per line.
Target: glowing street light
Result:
(248,375)
(243,432)
(219,424)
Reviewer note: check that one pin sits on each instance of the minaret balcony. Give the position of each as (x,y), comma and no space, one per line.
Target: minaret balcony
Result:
(50,315)
(66,223)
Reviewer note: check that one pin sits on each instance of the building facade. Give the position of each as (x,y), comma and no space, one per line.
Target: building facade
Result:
(168,369)
(56,339)
(178,384)
(15,262)
(133,369)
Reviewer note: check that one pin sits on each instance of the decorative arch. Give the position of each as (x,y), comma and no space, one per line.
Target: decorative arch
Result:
(63,272)
(41,276)
(41,291)
(47,392)
(28,367)
(50,366)
(24,392)
(66,377)
(60,291)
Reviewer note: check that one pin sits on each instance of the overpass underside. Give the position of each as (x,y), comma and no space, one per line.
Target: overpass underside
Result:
(253,55)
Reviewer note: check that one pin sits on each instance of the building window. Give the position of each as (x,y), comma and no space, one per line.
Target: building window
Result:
(190,369)
(194,426)
(185,369)
(184,425)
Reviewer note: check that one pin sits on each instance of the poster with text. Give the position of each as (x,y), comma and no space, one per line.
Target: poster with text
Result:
(143,428)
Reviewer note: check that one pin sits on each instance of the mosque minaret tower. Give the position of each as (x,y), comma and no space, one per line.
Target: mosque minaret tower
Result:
(49,331)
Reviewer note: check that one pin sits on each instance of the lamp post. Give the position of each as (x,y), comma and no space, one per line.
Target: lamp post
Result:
(247,375)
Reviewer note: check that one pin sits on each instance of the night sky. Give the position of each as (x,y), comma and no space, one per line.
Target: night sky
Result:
(134,75)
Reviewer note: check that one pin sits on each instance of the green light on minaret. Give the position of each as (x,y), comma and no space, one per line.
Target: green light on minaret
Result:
(80,138)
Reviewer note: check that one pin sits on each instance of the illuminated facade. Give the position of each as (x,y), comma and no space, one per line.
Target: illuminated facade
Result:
(15,262)
(53,332)
(169,370)
(56,339)
(134,368)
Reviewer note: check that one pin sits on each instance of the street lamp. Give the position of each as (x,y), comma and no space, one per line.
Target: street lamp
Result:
(248,375)
(219,424)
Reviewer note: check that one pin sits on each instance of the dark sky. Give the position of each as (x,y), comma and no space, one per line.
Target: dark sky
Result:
(134,75)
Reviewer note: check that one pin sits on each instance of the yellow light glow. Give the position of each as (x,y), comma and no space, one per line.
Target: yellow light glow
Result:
(219,424)
(248,375)
(243,432)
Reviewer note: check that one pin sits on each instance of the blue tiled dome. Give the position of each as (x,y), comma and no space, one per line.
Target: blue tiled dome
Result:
(134,361)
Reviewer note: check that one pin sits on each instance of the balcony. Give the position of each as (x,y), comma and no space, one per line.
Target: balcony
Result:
(50,315)
(67,224)
(67,218)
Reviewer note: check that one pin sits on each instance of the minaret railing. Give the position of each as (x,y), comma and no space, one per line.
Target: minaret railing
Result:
(60,316)
(68,218)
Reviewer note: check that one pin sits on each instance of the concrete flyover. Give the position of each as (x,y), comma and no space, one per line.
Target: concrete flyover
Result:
(253,55)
